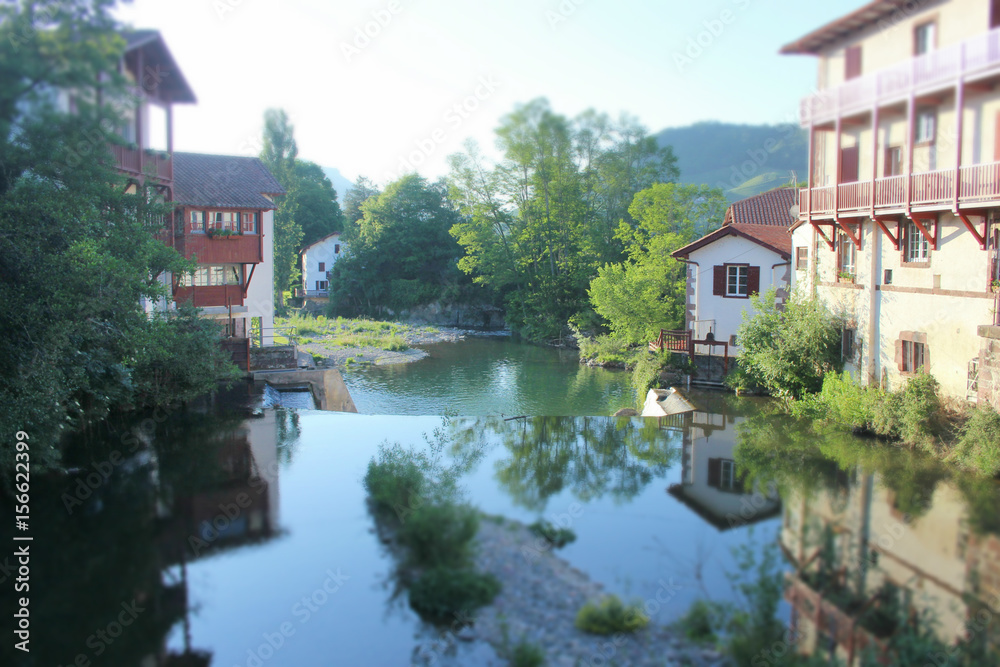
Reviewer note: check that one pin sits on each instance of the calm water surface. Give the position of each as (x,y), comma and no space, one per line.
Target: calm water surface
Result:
(226,528)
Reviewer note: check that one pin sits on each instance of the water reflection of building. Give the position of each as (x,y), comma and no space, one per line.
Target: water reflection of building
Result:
(859,560)
(710,483)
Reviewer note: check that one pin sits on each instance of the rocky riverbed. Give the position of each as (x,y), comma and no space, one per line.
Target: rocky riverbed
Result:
(538,604)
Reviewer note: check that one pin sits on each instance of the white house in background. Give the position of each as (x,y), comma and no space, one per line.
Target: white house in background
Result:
(317,263)
(749,254)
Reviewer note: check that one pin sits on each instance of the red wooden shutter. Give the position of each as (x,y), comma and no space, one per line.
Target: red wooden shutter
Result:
(719,284)
(715,472)
(753,280)
(850,162)
(995,13)
(852,62)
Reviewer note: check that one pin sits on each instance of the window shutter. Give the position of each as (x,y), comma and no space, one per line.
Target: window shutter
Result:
(715,472)
(719,284)
(899,355)
(753,280)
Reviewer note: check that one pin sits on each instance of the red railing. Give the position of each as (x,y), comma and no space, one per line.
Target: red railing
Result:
(978,183)
(673,341)
(943,67)
(133,161)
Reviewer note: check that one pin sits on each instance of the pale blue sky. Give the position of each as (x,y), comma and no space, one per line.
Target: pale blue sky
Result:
(365,110)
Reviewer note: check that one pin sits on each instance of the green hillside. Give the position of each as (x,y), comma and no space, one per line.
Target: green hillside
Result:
(743,160)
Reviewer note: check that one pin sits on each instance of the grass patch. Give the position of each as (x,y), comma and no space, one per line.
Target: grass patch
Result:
(610,616)
(340,332)
(526,654)
(557,537)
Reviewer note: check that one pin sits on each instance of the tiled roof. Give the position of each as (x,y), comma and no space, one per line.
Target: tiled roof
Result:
(325,238)
(772,237)
(223,181)
(768,208)
(819,39)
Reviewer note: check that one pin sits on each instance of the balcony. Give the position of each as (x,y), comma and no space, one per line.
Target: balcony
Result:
(136,162)
(238,249)
(974,59)
(210,296)
(978,186)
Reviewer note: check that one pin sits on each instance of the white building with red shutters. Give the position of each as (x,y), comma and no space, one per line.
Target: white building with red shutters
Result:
(899,224)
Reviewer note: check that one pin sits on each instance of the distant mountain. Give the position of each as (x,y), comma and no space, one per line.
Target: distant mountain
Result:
(340,182)
(744,160)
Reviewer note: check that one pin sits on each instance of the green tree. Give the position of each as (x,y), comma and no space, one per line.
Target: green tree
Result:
(788,350)
(78,252)
(362,190)
(647,292)
(316,207)
(400,253)
(279,156)
(538,225)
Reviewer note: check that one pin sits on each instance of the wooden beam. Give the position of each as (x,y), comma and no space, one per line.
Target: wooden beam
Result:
(892,239)
(246,283)
(923,230)
(980,238)
(823,234)
(847,230)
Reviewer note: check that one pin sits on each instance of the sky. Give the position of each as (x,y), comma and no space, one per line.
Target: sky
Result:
(385,87)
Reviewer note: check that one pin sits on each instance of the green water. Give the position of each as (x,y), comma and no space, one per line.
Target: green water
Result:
(490,376)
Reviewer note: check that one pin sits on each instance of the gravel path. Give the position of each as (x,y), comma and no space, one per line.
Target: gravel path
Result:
(538,603)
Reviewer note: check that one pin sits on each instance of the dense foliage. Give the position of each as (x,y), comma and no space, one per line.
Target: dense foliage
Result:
(400,253)
(537,225)
(787,351)
(78,252)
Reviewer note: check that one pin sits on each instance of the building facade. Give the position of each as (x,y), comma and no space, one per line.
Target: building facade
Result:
(898,228)
(317,264)
(749,254)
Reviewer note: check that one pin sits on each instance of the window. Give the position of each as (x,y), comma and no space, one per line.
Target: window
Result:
(926,126)
(322,285)
(722,475)
(852,62)
(848,343)
(228,220)
(914,357)
(322,266)
(249,223)
(916,248)
(847,256)
(336,249)
(736,280)
(924,38)
(197,221)
(894,161)
(802,258)
(213,276)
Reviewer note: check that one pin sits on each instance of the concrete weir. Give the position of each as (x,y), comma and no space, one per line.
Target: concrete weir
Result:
(327,386)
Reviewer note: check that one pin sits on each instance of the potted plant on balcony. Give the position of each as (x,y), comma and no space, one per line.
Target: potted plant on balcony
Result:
(221,233)
(845,277)
(995,286)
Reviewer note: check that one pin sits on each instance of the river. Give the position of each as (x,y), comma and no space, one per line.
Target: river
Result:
(212,528)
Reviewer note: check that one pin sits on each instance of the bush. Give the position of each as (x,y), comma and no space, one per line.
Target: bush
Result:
(646,374)
(439,534)
(979,445)
(604,349)
(701,622)
(526,654)
(610,616)
(788,352)
(557,537)
(399,480)
(442,593)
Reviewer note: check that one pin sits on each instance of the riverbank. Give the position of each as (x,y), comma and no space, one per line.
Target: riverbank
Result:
(541,596)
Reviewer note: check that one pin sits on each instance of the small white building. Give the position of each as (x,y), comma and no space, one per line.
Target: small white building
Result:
(748,255)
(317,263)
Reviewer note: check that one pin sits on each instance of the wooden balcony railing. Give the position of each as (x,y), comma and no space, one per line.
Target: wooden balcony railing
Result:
(150,163)
(978,184)
(674,341)
(977,56)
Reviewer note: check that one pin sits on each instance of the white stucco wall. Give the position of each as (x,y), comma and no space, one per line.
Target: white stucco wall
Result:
(723,314)
(322,251)
(260,294)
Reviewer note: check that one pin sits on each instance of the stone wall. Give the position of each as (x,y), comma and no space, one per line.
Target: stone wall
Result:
(273,358)
(989,367)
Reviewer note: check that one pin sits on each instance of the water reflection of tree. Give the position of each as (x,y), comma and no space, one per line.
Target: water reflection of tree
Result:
(808,456)
(589,456)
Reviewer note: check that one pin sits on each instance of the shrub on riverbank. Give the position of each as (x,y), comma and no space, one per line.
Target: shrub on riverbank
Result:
(439,535)
(610,616)
(606,350)
(557,537)
(442,593)
(979,445)
(341,332)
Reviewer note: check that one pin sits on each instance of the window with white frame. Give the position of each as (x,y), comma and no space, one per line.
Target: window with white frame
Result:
(250,223)
(737,278)
(728,480)
(926,126)
(213,276)
(917,248)
(226,220)
(924,38)
(197,221)
(847,255)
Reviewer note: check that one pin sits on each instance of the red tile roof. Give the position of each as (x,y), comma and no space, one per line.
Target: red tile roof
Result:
(818,40)
(768,208)
(774,238)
